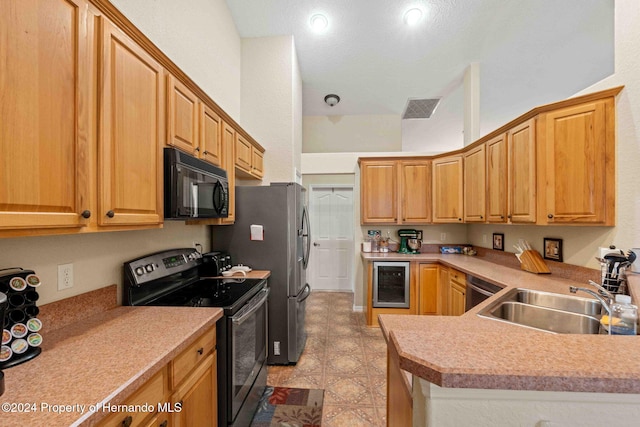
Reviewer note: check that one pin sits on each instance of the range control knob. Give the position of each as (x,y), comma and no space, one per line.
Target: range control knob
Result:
(140,271)
(149,268)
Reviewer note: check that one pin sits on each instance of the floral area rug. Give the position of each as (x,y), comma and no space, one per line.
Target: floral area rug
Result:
(289,407)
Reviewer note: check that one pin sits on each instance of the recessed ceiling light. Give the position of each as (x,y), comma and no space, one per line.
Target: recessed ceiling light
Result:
(413,16)
(318,22)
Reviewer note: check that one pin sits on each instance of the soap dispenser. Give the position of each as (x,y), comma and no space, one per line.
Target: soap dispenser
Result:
(624,316)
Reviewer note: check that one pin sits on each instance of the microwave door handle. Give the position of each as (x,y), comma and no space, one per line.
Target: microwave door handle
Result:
(217,188)
(194,200)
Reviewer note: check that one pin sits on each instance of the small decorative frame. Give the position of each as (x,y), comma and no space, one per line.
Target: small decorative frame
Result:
(552,249)
(498,241)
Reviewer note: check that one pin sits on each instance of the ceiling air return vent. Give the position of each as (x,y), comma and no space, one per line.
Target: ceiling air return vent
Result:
(420,108)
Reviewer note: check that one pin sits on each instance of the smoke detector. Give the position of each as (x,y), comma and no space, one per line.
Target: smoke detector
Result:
(417,108)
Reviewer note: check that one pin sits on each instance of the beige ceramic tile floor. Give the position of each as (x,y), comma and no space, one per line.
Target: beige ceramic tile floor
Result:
(345,358)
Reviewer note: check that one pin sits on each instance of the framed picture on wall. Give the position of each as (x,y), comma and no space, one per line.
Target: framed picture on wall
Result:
(553,249)
(498,241)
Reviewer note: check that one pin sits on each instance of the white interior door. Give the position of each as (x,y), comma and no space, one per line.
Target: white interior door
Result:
(332,249)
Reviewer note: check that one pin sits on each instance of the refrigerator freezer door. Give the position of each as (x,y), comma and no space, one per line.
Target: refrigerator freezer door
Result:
(297,335)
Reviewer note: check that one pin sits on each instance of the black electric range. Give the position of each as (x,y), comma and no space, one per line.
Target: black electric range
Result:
(172,278)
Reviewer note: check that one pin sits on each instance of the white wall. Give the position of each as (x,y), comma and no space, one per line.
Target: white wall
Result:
(202,40)
(362,133)
(581,242)
(200,37)
(271,102)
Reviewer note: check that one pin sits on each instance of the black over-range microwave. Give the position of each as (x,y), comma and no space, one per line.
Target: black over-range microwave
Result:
(193,188)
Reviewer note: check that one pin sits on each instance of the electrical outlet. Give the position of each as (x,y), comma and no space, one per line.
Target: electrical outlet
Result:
(443,236)
(485,239)
(65,276)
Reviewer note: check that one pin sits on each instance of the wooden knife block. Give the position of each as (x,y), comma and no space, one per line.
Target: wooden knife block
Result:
(532,261)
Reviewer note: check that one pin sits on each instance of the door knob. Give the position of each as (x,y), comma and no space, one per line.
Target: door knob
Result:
(316,244)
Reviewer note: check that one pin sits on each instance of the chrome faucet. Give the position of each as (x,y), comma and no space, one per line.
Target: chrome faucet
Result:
(604,292)
(607,307)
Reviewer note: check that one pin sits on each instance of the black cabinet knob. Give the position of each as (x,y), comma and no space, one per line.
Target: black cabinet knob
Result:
(127,421)
(550,216)
(197,148)
(481,217)
(205,152)
(164,423)
(86,213)
(509,216)
(459,219)
(200,350)
(111,214)
(501,216)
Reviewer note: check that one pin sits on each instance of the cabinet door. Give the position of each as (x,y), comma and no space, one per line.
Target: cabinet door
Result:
(497,179)
(522,172)
(210,136)
(474,184)
(45,114)
(457,298)
(198,397)
(257,163)
(378,192)
(575,162)
(228,153)
(416,191)
(447,189)
(443,289)
(243,153)
(182,115)
(428,289)
(131,133)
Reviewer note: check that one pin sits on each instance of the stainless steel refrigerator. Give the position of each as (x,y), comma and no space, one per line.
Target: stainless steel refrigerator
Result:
(280,209)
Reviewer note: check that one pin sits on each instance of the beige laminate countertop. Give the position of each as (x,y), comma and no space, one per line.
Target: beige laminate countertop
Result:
(104,359)
(472,352)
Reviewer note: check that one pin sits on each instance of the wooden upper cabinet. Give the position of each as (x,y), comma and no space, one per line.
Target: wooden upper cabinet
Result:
(211,137)
(257,162)
(378,192)
(182,117)
(497,179)
(579,151)
(475,184)
(415,191)
(521,149)
(243,153)
(447,189)
(131,133)
(228,162)
(45,114)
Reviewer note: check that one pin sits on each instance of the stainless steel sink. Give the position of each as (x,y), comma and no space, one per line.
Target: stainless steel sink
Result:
(574,304)
(546,311)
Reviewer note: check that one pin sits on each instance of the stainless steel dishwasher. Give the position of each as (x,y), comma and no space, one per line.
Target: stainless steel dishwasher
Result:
(479,290)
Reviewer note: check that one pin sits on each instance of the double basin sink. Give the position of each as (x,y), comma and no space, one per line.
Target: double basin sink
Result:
(555,313)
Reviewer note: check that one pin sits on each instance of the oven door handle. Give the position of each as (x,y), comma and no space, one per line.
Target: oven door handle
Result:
(480,290)
(251,307)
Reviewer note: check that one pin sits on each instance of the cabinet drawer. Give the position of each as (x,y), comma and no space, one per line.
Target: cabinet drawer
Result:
(189,358)
(457,276)
(153,392)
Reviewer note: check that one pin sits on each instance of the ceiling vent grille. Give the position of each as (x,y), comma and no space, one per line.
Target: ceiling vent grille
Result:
(420,108)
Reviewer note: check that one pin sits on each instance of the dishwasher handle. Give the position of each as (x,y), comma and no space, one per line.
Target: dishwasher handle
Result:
(480,290)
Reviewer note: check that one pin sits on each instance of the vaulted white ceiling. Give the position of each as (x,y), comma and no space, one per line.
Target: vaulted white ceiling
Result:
(530,51)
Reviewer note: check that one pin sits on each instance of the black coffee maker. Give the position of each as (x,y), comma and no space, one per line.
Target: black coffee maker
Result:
(4,303)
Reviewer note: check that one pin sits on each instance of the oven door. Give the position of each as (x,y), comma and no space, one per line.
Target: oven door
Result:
(248,348)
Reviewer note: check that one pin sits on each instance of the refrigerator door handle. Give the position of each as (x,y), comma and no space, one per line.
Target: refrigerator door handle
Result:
(304,293)
(306,233)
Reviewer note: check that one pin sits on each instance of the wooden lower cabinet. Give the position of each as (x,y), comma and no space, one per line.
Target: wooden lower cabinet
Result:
(399,394)
(184,392)
(429,294)
(197,396)
(457,292)
(443,288)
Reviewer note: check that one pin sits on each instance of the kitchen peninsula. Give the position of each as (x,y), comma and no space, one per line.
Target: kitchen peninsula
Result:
(504,373)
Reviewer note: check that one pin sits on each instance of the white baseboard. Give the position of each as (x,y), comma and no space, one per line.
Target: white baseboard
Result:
(358,308)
